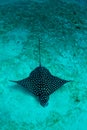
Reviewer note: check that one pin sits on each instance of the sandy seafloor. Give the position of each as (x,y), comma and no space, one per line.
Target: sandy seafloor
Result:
(62,28)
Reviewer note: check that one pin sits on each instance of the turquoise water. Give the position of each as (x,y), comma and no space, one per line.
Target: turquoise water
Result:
(61,26)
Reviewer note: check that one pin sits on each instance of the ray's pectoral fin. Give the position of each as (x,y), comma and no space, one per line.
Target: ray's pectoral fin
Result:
(56,83)
(24,84)
(43,100)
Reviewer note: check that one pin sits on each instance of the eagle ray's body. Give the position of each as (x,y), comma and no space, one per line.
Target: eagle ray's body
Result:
(41,84)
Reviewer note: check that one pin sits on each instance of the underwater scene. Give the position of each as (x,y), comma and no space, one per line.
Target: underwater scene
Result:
(43,64)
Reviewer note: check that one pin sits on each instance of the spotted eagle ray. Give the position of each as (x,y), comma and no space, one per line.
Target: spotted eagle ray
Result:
(41,83)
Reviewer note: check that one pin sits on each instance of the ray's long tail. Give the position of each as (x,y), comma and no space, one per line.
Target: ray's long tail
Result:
(39,54)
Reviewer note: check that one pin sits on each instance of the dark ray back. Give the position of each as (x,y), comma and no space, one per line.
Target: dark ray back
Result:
(41,83)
